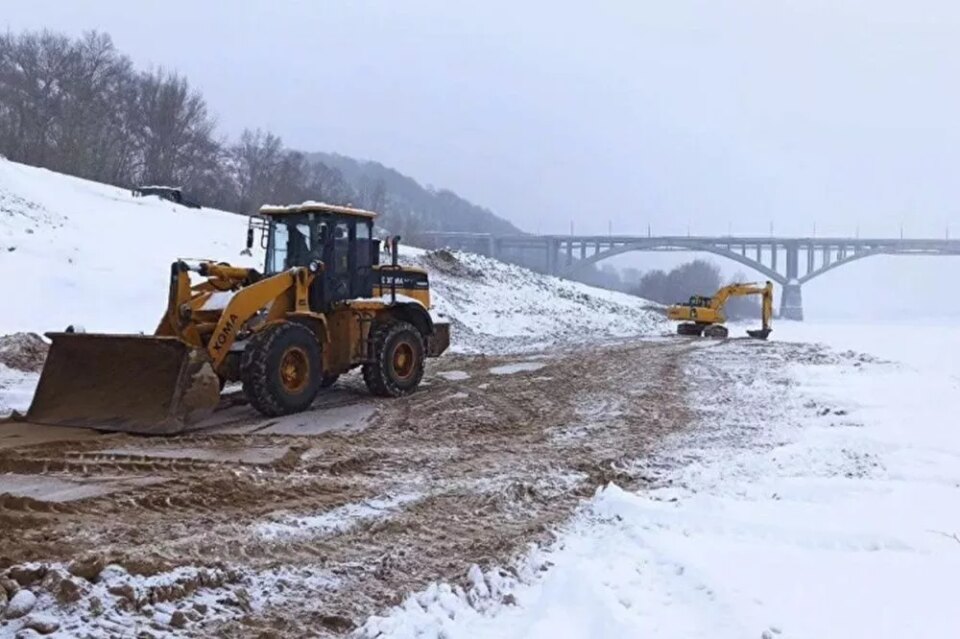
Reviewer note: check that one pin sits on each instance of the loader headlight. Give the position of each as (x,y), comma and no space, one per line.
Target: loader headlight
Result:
(314,266)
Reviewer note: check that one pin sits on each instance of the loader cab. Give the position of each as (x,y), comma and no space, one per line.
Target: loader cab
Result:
(341,238)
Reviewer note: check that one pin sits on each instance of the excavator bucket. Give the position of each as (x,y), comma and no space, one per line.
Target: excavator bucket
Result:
(128,383)
(760,333)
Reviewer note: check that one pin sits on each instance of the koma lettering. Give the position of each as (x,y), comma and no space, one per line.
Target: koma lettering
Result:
(228,329)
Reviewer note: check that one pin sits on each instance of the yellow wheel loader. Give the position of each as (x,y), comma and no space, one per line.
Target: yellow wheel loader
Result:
(323,305)
(704,315)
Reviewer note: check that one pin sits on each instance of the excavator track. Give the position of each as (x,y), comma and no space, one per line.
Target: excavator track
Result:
(690,329)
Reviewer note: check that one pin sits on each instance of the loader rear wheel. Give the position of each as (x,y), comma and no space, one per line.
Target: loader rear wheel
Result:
(281,369)
(398,356)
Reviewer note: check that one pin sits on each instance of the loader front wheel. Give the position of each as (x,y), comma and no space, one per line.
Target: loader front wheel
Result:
(281,369)
(398,356)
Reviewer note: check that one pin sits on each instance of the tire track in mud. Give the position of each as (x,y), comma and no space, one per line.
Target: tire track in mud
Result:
(492,463)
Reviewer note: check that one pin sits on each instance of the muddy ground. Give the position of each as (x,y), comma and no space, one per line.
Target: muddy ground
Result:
(307,525)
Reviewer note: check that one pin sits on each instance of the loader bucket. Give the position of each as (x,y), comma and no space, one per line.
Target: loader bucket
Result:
(128,383)
(760,333)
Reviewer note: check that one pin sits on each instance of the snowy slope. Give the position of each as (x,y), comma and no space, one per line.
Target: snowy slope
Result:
(502,308)
(78,252)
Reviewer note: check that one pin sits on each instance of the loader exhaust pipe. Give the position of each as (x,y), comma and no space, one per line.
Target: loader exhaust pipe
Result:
(128,383)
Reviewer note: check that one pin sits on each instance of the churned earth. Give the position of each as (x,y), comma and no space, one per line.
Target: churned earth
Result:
(311,523)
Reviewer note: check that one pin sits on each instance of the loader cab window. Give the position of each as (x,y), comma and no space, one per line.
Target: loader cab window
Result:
(298,245)
(339,261)
(366,252)
(289,244)
(276,247)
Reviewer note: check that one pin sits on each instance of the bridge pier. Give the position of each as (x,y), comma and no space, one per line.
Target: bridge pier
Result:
(553,256)
(791,301)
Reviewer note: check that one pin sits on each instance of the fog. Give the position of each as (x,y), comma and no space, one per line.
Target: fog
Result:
(794,117)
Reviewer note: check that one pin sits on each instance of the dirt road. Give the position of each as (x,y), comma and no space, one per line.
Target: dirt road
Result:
(307,525)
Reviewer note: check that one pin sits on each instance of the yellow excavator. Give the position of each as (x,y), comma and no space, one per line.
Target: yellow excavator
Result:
(323,305)
(704,316)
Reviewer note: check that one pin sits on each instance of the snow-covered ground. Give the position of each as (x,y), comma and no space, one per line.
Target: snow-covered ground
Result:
(817,497)
(78,252)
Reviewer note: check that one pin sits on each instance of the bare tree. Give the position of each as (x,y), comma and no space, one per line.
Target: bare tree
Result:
(32,68)
(373,194)
(173,131)
(78,106)
(256,159)
(698,277)
(328,185)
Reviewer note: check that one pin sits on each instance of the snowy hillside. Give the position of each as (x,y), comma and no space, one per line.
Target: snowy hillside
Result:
(500,308)
(78,252)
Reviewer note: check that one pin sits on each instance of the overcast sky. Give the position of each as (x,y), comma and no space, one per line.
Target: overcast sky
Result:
(711,116)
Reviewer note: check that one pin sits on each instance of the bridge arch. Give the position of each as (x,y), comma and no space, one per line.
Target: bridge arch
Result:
(853,257)
(692,246)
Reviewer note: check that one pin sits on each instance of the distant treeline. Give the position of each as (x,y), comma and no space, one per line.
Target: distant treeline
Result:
(78,106)
(699,277)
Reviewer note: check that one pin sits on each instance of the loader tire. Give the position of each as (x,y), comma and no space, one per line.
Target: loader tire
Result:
(398,357)
(281,369)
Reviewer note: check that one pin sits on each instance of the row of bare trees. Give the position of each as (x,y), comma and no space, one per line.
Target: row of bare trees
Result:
(699,277)
(79,106)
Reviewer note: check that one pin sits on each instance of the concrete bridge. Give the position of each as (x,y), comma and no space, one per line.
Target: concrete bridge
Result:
(790,262)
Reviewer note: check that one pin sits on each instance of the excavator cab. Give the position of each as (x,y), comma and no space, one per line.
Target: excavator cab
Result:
(700,301)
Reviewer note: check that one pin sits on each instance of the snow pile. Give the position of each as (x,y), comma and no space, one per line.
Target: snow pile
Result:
(109,601)
(811,501)
(21,359)
(23,351)
(495,307)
